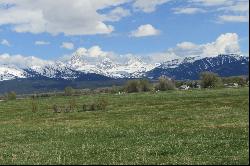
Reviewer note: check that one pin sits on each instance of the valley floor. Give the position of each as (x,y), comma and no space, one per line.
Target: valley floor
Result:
(174,127)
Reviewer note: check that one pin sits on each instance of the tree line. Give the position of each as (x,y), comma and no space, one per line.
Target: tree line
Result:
(164,83)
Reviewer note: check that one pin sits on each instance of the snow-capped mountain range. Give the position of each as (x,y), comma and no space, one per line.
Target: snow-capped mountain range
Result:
(191,67)
(78,68)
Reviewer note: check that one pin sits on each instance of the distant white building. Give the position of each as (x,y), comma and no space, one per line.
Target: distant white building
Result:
(232,85)
(184,87)
(235,85)
(198,86)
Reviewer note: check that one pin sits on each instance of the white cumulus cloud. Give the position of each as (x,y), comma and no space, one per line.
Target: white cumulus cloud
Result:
(42,43)
(237,12)
(74,17)
(233,18)
(148,6)
(67,45)
(21,61)
(145,30)
(5,42)
(225,44)
(188,10)
(117,13)
(224,10)
(96,51)
(212,2)
(70,17)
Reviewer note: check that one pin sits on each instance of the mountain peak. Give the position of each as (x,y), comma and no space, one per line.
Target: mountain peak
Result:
(134,68)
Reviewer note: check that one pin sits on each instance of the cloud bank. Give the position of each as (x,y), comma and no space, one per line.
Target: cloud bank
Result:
(22,61)
(225,44)
(74,17)
(91,17)
(226,10)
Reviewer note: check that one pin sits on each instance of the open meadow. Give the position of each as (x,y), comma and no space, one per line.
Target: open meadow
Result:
(172,127)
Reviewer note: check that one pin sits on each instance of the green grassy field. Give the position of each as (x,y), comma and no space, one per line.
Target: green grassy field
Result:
(175,127)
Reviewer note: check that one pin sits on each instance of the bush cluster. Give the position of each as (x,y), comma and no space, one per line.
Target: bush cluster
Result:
(165,83)
(99,105)
(68,107)
(137,86)
(191,84)
(34,105)
(69,91)
(11,95)
(240,80)
(210,80)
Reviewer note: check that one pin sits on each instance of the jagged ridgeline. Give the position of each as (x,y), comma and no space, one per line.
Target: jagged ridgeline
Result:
(78,74)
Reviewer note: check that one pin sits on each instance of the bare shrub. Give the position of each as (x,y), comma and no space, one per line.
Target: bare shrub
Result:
(84,107)
(92,107)
(210,80)
(69,91)
(56,109)
(102,104)
(11,95)
(66,109)
(132,86)
(144,85)
(72,104)
(165,83)
(34,105)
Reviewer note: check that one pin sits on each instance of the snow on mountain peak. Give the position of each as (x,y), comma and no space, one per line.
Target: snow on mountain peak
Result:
(7,73)
(107,64)
(127,67)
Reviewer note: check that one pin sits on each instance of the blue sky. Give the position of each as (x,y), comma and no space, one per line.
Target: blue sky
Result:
(135,26)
